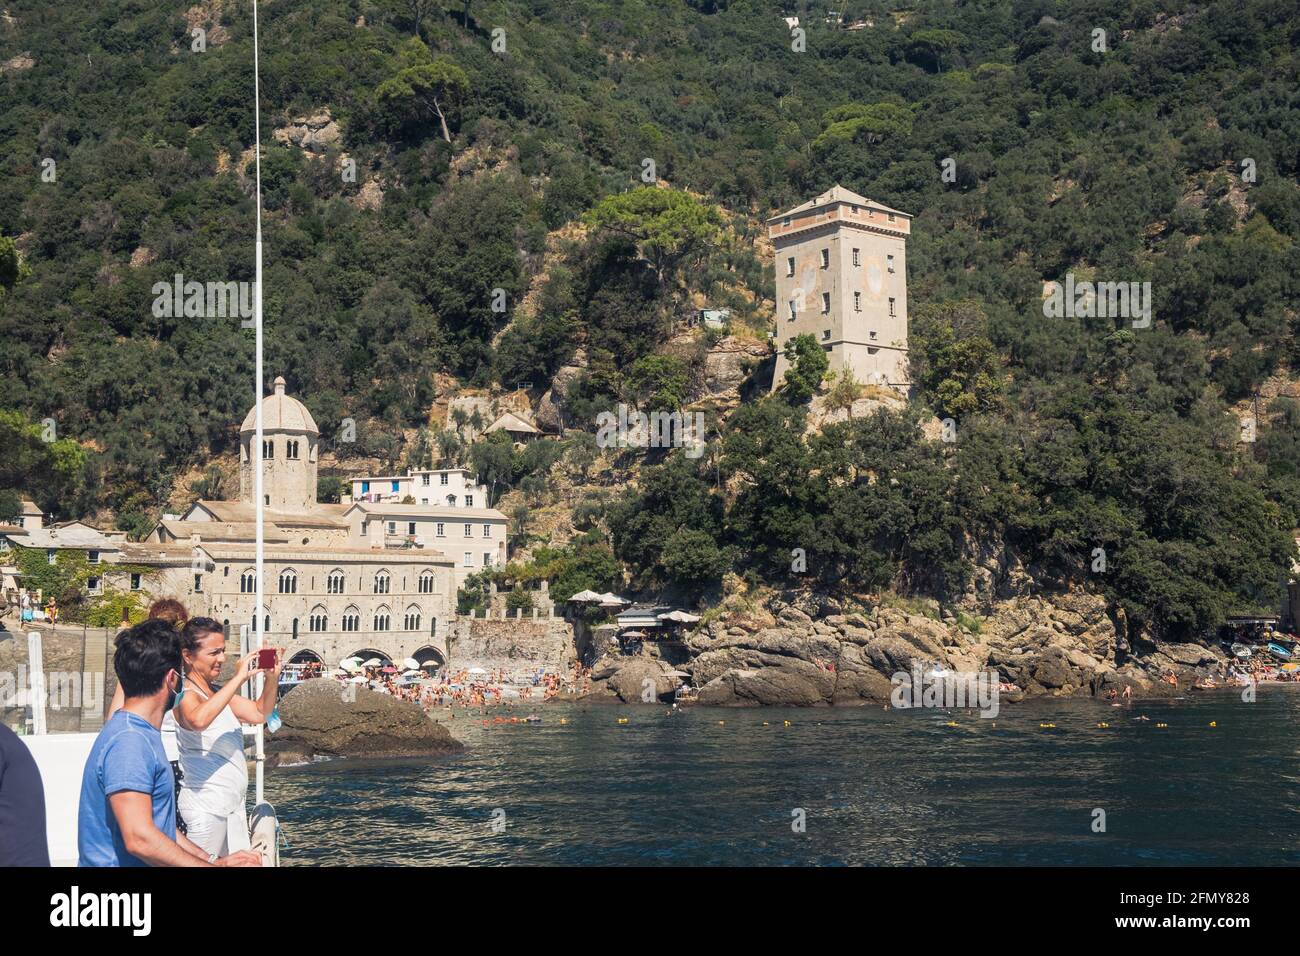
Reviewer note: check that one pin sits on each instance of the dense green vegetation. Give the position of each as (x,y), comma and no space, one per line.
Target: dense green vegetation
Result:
(1169,157)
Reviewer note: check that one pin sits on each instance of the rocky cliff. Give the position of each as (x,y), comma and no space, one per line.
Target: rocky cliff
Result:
(1055,645)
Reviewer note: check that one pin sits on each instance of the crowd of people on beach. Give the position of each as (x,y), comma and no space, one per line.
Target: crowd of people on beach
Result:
(474,687)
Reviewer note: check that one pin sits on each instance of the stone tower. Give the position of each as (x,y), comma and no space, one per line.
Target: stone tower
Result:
(841,277)
(291,441)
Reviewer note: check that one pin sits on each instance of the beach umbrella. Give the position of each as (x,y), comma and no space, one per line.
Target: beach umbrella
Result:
(432,664)
(585,596)
(357,680)
(389,669)
(349,665)
(374,662)
(410,664)
(477,670)
(610,598)
(412,672)
(679,617)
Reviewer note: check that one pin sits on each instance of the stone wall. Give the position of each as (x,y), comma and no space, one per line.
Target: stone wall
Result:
(512,644)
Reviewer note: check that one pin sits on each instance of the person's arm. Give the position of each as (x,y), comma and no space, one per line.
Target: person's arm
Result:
(250,712)
(134,814)
(197,714)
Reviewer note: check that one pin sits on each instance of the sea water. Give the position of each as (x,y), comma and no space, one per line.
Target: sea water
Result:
(707,786)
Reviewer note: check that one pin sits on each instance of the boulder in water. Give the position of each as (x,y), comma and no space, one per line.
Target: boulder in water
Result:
(324,718)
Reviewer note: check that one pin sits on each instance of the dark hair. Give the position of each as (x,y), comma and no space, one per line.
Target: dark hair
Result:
(170,610)
(196,629)
(144,655)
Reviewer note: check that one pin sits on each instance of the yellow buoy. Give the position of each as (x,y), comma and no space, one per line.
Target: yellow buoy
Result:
(952,723)
(1103,724)
(1047,726)
(1214,723)
(787,723)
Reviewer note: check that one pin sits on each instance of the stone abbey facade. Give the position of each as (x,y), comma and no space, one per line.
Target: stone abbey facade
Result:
(841,277)
(371,577)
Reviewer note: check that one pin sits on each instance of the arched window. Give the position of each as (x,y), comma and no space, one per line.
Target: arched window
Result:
(291,449)
(288,581)
(266,624)
(426,582)
(351,619)
(247,583)
(382,582)
(319,620)
(451,500)
(382,621)
(334,583)
(268,449)
(411,621)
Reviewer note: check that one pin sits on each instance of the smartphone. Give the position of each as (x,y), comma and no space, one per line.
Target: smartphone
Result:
(266,659)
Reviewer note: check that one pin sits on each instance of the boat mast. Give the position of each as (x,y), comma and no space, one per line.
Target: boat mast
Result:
(259,612)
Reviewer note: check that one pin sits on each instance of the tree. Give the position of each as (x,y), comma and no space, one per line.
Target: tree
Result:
(667,225)
(808,364)
(424,85)
(953,360)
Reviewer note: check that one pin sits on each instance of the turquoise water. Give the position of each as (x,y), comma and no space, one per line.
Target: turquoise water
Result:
(876,787)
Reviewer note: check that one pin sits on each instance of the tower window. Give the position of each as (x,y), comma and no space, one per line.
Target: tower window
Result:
(826,333)
(789,266)
(857,257)
(291,450)
(891,307)
(889,263)
(857,302)
(268,449)
(793,310)
(826,302)
(826,258)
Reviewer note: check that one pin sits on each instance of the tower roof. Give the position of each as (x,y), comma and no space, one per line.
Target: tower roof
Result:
(281,412)
(838,194)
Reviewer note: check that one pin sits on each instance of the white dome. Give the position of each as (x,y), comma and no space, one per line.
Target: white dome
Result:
(281,413)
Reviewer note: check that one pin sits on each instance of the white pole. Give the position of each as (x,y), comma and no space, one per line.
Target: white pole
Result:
(36,675)
(259,613)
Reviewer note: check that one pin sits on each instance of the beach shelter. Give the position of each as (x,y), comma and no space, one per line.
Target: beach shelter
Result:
(411,664)
(585,597)
(679,617)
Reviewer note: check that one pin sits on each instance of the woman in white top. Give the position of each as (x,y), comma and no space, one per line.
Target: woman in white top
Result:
(209,732)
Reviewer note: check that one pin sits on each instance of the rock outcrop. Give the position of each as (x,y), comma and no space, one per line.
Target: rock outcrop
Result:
(322,718)
(1060,645)
(314,133)
(631,680)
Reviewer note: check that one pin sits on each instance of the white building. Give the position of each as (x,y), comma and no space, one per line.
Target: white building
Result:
(433,487)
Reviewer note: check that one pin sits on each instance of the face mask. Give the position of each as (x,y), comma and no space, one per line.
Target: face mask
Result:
(174,697)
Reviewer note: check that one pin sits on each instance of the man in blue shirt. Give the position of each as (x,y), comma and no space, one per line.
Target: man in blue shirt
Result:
(127,815)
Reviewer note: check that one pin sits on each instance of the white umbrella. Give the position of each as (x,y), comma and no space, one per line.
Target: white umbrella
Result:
(349,665)
(374,662)
(611,598)
(338,672)
(477,670)
(679,617)
(433,664)
(358,680)
(411,664)
(586,596)
(412,672)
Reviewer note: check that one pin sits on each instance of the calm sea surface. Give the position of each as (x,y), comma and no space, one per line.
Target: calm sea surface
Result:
(876,787)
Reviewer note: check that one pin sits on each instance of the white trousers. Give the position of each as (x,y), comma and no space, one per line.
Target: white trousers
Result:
(214,833)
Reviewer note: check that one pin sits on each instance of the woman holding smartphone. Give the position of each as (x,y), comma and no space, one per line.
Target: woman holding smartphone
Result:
(209,732)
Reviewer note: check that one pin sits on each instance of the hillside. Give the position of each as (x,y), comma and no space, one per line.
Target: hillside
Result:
(447,218)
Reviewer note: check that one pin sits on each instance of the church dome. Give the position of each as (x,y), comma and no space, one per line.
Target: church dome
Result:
(280,412)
